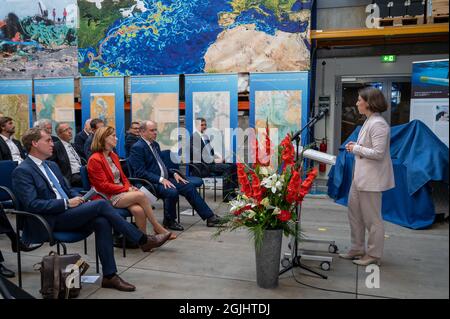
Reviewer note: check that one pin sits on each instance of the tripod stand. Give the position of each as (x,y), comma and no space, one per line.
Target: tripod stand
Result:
(296,258)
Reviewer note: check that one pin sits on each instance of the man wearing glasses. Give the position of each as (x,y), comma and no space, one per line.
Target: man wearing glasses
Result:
(65,155)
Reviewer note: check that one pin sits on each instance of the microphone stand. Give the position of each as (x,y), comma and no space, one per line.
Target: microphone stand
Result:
(296,259)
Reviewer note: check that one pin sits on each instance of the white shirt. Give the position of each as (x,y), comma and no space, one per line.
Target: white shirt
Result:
(75,161)
(160,167)
(15,153)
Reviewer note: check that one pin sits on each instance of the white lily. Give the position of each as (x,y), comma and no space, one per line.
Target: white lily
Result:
(276,211)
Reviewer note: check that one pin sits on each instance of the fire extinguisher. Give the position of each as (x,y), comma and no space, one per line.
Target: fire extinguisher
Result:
(323,149)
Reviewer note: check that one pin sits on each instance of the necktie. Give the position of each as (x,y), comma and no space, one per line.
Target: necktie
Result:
(159,160)
(54,181)
(74,153)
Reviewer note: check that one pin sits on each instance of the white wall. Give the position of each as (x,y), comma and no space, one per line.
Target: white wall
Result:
(366,66)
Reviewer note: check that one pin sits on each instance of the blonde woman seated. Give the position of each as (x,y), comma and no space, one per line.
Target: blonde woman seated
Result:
(107,176)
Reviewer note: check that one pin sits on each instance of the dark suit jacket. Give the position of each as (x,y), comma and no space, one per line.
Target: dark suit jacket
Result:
(80,139)
(35,195)
(5,153)
(130,139)
(87,146)
(143,164)
(61,158)
(197,155)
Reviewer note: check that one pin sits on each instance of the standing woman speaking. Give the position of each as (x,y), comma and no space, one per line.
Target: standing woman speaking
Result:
(372,174)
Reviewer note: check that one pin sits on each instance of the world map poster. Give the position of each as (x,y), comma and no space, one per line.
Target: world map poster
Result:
(281,109)
(16,106)
(103,106)
(144,37)
(58,108)
(161,108)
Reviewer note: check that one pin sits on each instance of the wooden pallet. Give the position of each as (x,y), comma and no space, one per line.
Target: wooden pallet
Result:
(437,18)
(439,7)
(401,21)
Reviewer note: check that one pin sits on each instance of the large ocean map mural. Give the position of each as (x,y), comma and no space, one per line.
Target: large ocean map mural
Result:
(143,37)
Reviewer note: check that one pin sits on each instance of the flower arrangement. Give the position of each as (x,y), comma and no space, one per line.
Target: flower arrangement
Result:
(269,195)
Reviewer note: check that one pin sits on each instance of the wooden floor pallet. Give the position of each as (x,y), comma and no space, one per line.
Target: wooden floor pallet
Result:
(401,21)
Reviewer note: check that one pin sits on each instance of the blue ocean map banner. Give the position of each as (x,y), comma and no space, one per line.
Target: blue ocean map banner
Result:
(55,101)
(281,99)
(214,97)
(104,98)
(16,102)
(156,98)
(145,37)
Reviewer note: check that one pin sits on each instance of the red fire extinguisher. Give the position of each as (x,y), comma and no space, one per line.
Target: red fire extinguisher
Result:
(323,149)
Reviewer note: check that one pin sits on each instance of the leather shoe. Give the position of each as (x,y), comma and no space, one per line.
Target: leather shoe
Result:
(214,221)
(24,247)
(172,224)
(117,283)
(367,260)
(5,272)
(118,243)
(352,254)
(154,241)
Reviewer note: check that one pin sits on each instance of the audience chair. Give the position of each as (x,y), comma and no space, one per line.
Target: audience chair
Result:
(122,211)
(175,167)
(29,222)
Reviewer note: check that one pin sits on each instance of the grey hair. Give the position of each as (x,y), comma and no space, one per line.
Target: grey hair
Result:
(41,123)
(143,125)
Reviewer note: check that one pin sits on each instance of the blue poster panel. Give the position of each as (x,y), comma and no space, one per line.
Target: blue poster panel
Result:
(156,98)
(104,98)
(214,97)
(429,96)
(281,100)
(15,102)
(55,101)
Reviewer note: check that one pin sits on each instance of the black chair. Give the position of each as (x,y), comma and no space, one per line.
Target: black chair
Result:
(176,168)
(125,213)
(36,221)
(6,169)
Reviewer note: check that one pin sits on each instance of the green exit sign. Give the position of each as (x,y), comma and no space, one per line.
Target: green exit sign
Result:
(388,58)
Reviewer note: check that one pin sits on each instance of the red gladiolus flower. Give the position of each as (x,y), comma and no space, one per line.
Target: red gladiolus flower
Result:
(284,216)
(288,152)
(294,185)
(258,191)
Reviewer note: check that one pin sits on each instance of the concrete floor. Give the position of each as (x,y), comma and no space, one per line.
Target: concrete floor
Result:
(415,265)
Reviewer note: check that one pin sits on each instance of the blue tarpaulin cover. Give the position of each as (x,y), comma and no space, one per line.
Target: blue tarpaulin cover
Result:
(418,157)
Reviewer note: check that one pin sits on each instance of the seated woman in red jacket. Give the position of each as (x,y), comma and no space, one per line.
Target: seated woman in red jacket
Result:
(107,176)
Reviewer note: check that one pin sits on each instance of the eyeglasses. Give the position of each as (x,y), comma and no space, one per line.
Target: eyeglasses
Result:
(153,130)
(67,129)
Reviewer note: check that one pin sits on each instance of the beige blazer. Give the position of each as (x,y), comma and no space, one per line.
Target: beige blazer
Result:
(373,166)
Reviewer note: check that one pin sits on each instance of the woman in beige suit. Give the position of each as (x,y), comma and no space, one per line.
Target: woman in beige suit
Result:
(373,174)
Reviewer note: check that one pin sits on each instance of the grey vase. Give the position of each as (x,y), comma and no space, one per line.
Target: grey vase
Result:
(268,259)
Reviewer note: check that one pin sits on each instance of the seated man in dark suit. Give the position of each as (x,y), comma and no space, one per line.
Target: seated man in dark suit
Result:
(10,148)
(95,124)
(41,189)
(81,138)
(203,152)
(145,162)
(6,228)
(131,137)
(65,155)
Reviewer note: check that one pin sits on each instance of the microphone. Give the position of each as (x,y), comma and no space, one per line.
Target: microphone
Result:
(311,123)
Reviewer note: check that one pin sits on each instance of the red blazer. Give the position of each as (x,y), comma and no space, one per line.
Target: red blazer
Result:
(101,176)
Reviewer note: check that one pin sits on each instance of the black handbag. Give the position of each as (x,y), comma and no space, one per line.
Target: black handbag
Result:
(61,275)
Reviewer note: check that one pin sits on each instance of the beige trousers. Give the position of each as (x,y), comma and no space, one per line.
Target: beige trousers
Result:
(364,212)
